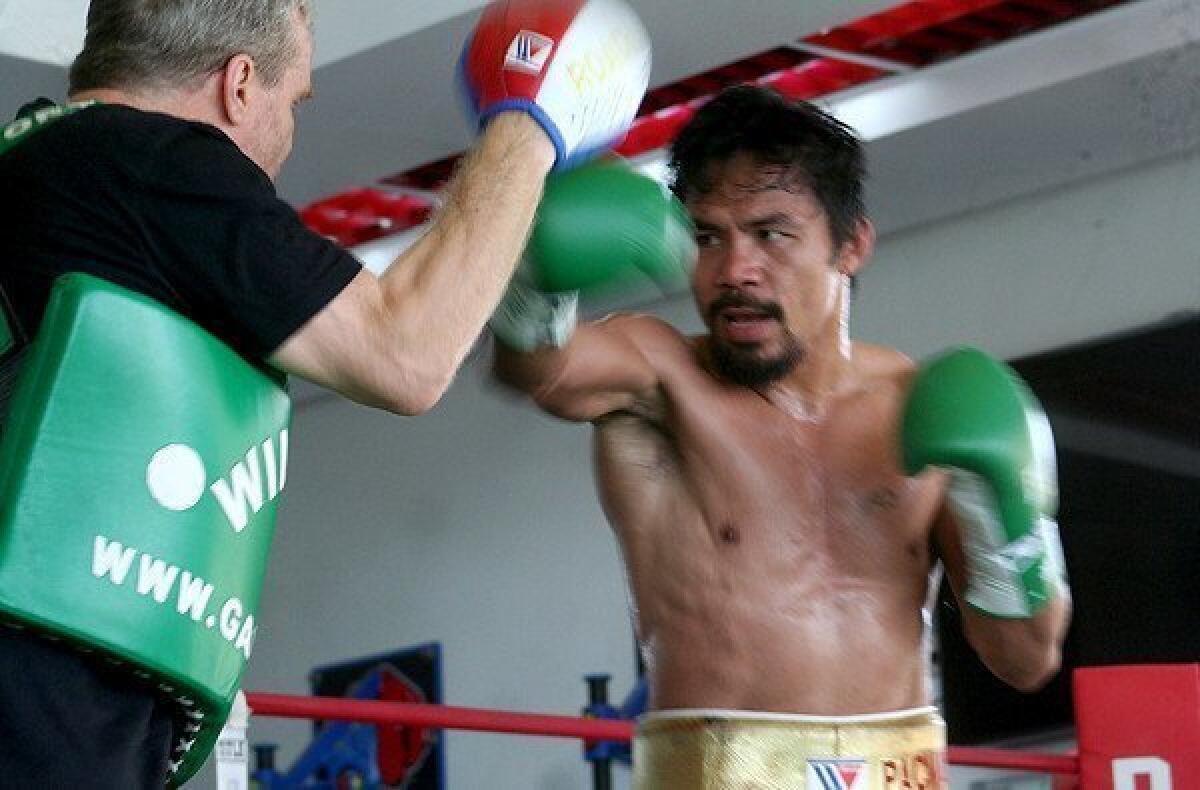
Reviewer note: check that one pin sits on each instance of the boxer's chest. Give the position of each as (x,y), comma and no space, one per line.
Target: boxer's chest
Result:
(755,469)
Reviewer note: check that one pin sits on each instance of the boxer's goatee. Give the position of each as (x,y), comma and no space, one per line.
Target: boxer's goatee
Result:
(746,368)
(742,365)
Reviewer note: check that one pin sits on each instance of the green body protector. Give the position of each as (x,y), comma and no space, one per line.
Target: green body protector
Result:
(17,131)
(140,468)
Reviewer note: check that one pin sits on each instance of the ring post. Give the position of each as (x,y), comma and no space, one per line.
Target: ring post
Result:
(1138,727)
(598,706)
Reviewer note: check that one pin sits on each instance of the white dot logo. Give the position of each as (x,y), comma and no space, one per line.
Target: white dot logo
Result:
(175,477)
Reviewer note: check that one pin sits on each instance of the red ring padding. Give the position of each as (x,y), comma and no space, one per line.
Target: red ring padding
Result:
(1138,727)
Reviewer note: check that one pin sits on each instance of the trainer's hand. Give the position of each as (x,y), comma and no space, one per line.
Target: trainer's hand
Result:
(602,227)
(973,416)
(579,67)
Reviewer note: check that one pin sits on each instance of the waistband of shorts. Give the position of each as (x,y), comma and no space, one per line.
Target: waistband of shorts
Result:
(928,713)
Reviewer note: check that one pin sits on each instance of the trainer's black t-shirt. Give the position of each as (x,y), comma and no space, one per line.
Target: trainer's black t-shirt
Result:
(170,208)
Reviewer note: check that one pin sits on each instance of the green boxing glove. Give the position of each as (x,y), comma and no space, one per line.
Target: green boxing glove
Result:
(973,416)
(599,228)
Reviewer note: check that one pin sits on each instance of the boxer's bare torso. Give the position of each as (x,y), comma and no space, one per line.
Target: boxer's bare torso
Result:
(779,559)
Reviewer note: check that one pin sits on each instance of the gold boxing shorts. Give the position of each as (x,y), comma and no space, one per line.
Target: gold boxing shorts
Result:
(743,750)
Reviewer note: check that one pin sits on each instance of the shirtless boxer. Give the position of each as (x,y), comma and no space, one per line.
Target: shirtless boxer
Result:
(779,526)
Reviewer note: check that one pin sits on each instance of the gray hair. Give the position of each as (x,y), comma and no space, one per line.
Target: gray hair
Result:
(161,43)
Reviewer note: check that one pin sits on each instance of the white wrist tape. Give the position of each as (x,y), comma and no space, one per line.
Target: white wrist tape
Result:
(996,566)
(527,319)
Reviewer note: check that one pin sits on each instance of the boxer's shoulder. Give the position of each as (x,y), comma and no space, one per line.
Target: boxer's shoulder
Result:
(650,334)
(879,367)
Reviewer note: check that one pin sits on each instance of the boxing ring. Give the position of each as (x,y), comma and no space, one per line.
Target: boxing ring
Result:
(1137,728)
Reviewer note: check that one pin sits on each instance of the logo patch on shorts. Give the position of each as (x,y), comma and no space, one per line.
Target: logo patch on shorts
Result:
(915,771)
(528,52)
(844,774)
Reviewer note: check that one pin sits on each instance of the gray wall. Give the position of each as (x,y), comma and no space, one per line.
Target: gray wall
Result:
(477,525)
(22,80)
(472,526)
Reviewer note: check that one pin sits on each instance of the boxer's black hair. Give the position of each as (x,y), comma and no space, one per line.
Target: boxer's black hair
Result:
(811,148)
(146,43)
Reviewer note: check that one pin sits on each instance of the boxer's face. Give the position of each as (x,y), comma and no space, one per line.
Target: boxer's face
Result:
(766,280)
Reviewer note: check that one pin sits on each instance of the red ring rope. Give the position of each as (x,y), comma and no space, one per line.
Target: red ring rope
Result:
(438,716)
(482,720)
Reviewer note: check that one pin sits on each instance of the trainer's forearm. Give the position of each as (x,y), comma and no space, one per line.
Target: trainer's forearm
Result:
(440,292)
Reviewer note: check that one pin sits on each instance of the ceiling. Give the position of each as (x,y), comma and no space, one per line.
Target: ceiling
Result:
(1007,97)
(394,106)
(1036,107)
(384,69)
(387,102)
(878,54)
